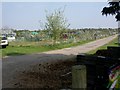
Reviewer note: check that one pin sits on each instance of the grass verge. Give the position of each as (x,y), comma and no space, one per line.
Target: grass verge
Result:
(114,42)
(15,49)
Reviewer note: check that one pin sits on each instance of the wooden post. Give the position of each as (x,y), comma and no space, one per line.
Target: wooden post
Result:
(79,79)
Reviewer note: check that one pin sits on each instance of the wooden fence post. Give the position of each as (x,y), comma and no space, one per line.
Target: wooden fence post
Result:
(79,79)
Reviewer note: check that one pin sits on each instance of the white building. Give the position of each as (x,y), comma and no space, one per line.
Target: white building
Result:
(8,33)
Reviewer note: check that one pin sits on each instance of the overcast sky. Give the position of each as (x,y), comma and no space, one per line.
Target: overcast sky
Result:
(26,15)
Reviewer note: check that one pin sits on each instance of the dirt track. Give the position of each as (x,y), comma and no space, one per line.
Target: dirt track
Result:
(14,66)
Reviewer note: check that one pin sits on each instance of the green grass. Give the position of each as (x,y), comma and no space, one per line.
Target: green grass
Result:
(15,49)
(111,43)
(21,50)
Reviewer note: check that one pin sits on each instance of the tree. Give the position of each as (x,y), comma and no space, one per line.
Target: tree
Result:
(56,24)
(7,30)
(113,9)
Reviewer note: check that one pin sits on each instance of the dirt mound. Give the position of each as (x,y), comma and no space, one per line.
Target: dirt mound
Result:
(57,75)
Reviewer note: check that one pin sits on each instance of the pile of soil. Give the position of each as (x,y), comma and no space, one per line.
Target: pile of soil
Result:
(55,75)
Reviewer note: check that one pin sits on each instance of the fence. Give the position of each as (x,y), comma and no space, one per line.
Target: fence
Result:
(101,72)
(79,77)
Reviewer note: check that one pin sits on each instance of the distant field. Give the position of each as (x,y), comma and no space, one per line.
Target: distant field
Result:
(112,43)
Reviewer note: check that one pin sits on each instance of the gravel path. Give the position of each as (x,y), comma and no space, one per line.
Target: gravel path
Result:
(13,65)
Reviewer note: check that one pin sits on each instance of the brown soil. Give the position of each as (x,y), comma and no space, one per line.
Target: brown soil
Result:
(57,75)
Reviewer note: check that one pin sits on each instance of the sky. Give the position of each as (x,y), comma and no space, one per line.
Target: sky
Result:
(28,15)
(57,0)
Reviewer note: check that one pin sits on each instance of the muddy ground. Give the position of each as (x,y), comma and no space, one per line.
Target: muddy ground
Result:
(56,75)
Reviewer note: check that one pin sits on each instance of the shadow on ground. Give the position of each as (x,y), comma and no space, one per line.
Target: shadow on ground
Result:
(38,71)
(54,70)
(14,54)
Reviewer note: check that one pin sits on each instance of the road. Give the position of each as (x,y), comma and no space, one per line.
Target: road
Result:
(13,65)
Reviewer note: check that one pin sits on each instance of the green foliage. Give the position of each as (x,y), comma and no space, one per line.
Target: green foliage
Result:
(72,35)
(113,9)
(56,24)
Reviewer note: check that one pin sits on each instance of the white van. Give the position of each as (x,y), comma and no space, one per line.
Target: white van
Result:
(3,42)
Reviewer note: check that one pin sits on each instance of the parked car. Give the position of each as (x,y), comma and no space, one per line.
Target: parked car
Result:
(3,42)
